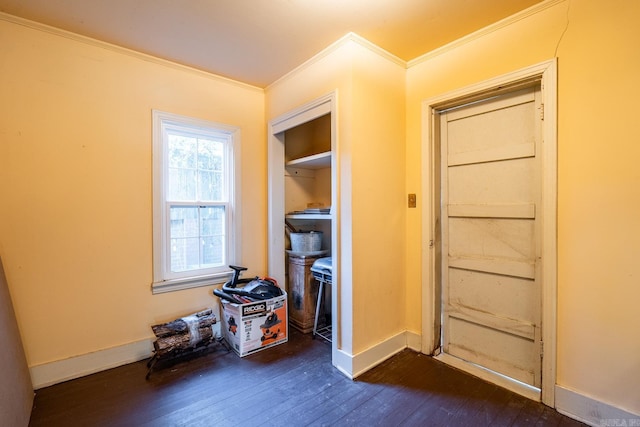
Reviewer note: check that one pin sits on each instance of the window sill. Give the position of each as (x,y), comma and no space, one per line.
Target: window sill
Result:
(189,282)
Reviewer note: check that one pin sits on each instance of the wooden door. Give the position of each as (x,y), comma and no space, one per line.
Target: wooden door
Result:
(491,252)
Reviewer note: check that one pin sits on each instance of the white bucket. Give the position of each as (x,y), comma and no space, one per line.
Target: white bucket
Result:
(308,241)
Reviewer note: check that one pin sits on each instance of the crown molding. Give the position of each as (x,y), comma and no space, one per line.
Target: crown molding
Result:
(347,38)
(537,8)
(121,50)
(342,41)
(375,48)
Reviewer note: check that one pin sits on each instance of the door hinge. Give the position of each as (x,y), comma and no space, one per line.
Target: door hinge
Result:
(541,111)
(541,349)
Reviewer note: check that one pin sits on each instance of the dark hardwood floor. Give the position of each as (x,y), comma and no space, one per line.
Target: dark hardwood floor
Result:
(292,384)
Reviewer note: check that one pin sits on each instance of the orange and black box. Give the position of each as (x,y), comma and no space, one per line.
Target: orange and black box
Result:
(255,326)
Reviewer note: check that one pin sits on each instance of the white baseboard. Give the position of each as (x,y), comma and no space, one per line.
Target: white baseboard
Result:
(52,373)
(414,341)
(343,362)
(377,354)
(362,362)
(354,365)
(56,372)
(591,411)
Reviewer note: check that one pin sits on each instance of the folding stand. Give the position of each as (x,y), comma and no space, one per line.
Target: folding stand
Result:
(322,269)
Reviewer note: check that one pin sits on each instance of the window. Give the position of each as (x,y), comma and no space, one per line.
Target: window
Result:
(195,211)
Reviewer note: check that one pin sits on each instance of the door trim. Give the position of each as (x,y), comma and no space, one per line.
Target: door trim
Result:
(326,104)
(275,180)
(546,73)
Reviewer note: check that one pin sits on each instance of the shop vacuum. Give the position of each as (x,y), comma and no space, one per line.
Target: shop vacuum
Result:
(241,291)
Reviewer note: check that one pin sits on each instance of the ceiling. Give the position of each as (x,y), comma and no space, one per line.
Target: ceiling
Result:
(258,41)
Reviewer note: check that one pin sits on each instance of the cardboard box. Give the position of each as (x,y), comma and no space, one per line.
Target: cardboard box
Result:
(255,326)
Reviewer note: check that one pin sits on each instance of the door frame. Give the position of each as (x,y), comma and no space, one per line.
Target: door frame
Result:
(546,74)
(326,104)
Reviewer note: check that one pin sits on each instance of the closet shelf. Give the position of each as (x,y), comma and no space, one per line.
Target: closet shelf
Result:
(308,216)
(315,161)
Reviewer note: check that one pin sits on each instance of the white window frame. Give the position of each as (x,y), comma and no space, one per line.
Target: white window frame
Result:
(165,280)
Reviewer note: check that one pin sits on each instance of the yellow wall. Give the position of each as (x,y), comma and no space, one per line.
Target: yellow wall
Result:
(75,187)
(370,140)
(598,175)
(378,199)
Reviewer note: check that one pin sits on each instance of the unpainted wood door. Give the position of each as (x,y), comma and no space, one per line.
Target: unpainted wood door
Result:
(491,255)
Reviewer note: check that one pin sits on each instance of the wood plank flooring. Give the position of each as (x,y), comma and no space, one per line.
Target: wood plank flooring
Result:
(292,384)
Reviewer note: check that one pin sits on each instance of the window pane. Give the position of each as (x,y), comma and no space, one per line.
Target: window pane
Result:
(210,154)
(184,221)
(182,160)
(210,186)
(184,231)
(197,237)
(182,151)
(210,166)
(185,254)
(213,251)
(212,221)
(212,231)
(182,185)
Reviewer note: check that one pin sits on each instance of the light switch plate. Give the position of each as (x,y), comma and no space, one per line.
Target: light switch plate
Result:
(412,200)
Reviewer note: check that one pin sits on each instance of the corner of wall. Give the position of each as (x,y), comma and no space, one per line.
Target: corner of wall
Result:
(373,356)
